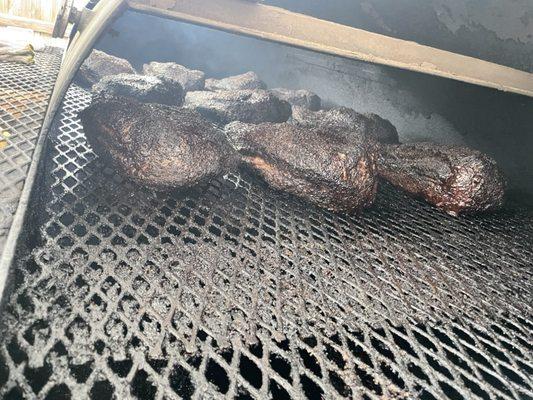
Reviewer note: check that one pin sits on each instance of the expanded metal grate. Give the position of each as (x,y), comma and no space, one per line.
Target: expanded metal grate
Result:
(233,290)
(24,93)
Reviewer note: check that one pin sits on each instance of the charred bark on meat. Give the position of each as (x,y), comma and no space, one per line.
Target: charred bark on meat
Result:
(371,126)
(299,98)
(247,81)
(189,79)
(146,89)
(328,169)
(252,106)
(453,178)
(99,65)
(156,145)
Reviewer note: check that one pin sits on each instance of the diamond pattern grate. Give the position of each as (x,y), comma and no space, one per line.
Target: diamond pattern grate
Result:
(232,290)
(24,93)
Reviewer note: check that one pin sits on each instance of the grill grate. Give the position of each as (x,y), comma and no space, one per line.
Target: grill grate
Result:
(24,93)
(233,290)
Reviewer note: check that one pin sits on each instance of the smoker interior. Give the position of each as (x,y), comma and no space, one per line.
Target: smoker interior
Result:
(235,290)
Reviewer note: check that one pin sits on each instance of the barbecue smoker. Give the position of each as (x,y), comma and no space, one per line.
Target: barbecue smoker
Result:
(232,290)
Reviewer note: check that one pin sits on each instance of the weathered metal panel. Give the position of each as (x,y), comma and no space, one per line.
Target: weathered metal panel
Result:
(43,10)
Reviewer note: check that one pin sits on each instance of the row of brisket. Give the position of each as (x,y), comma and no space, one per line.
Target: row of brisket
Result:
(171,127)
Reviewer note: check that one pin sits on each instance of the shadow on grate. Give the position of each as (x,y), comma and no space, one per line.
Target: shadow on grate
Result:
(233,290)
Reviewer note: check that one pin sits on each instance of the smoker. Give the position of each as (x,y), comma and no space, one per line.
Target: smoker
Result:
(232,290)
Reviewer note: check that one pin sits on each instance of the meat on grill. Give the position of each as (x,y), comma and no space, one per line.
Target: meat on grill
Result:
(146,89)
(299,98)
(189,79)
(225,106)
(156,145)
(246,81)
(370,125)
(327,168)
(100,64)
(453,178)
